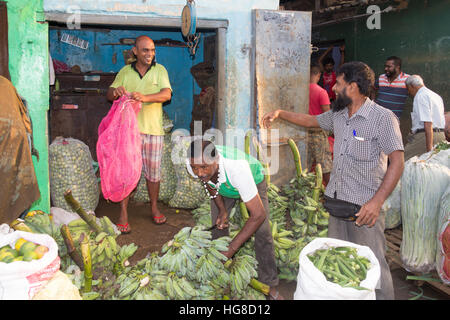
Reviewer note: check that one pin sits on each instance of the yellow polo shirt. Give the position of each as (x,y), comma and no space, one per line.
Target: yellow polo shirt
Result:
(150,117)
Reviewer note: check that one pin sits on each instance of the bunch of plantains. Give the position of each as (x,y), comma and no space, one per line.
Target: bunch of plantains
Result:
(189,267)
(341,265)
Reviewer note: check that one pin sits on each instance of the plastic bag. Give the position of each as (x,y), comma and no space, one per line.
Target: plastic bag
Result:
(392,208)
(21,280)
(60,287)
(443,238)
(312,284)
(423,184)
(70,164)
(119,149)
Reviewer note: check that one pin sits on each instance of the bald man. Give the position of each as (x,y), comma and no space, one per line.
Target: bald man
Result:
(148,82)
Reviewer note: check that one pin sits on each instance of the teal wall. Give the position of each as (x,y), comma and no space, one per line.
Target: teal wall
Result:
(28,66)
(419,35)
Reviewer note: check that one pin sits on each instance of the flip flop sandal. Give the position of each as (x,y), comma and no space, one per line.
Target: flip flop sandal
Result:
(159,219)
(123,228)
(275,296)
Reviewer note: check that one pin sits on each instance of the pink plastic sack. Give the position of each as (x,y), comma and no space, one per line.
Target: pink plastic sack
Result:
(119,149)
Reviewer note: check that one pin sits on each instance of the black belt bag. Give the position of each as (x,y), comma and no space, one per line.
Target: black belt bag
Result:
(341,209)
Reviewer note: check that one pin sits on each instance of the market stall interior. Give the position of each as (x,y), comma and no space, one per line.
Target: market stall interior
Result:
(86,61)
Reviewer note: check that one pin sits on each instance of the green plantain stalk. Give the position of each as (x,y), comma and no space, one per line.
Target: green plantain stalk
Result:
(86,254)
(90,219)
(319,180)
(68,240)
(297,158)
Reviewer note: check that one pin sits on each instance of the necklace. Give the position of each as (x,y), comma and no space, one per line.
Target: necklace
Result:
(216,187)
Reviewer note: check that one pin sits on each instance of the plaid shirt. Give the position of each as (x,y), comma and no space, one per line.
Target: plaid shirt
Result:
(361,146)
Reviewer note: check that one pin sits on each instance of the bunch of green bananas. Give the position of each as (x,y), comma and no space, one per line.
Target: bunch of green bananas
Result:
(202,214)
(242,269)
(310,218)
(104,250)
(278,204)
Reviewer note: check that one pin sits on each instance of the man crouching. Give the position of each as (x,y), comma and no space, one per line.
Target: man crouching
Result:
(229,174)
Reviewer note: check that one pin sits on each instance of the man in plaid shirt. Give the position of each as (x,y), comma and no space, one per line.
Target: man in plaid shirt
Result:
(366,136)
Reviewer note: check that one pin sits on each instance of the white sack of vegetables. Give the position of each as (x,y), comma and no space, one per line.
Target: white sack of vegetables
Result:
(443,238)
(189,193)
(70,164)
(312,283)
(392,208)
(423,185)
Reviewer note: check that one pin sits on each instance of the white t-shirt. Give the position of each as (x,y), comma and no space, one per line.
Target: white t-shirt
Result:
(428,106)
(239,175)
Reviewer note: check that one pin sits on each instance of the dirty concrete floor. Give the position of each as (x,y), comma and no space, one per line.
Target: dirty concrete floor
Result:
(150,237)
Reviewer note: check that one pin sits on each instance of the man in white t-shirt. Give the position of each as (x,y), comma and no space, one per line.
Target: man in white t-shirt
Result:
(427,118)
(229,174)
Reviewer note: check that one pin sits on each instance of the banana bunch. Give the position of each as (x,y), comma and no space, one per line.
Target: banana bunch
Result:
(77,227)
(181,253)
(210,268)
(280,238)
(124,253)
(252,294)
(129,283)
(179,288)
(210,291)
(288,260)
(242,270)
(42,223)
(278,204)
(310,218)
(202,214)
(107,226)
(104,250)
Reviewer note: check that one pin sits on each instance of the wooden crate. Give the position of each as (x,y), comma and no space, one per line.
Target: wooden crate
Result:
(393,242)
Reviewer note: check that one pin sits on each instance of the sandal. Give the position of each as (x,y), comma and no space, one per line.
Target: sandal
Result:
(275,296)
(159,219)
(123,228)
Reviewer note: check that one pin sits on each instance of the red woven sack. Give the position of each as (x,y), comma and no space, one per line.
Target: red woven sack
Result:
(119,149)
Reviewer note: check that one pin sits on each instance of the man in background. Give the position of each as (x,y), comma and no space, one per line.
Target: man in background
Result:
(427,118)
(319,148)
(327,67)
(391,86)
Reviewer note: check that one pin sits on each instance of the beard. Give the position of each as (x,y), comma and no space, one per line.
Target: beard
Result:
(342,101)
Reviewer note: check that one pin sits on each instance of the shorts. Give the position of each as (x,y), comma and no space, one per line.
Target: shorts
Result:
(152,149)
(319,150)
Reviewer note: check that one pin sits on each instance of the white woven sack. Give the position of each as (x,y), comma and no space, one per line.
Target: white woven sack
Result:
(312,284)
(21,280)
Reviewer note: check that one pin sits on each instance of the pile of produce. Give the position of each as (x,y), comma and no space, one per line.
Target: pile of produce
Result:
(341,265)
(23,250)
(70,167)
(440,154)
(189,193)
(190,266)
(423,184)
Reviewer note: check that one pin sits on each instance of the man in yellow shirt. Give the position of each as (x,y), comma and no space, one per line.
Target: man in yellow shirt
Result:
(148,82)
